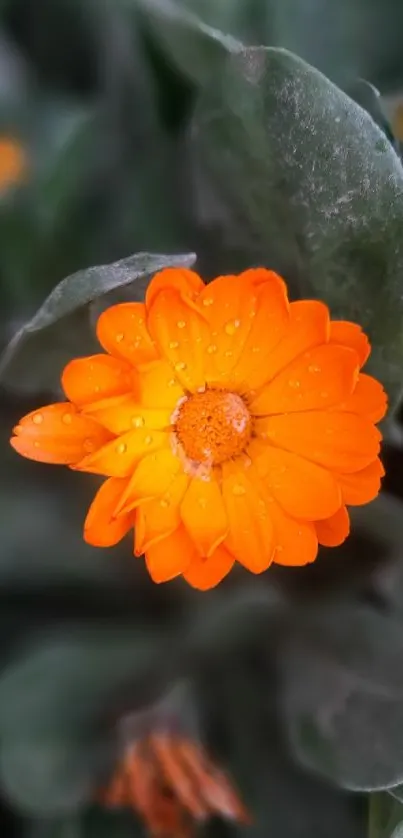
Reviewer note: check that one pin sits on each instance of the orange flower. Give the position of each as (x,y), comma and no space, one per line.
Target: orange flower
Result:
(13,162)
(170,782)
(231,425)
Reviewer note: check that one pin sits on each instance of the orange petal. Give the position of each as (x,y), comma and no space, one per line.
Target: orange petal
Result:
(124,413)
(100,528)
(157,385)
(122,332)
(368,398)
(119,458)
(251,535)
(181,335)
(203,514)
(341,441)
(296,541)
(268,326)
(320,378)
(151,479)
(160,517)
(228,304)
(204,573)
(308,327)
(86,380)
(350,334)
(177,777)
(304,489)
(170,557)
(59,434)
(187,283)
(363,486)
(333,531)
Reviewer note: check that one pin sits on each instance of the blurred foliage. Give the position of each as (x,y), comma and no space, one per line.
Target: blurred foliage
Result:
(172,127)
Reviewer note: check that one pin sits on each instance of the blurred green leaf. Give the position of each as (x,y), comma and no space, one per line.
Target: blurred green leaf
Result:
(342,693)
(194,46)
(64,314)
(316,189)
(54,704)
(385,817)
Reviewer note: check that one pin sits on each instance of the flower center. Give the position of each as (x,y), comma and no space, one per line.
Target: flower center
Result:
(213,426)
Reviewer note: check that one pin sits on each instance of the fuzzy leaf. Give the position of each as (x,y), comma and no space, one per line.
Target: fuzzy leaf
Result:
(54,703)
(64,314)
(315,187)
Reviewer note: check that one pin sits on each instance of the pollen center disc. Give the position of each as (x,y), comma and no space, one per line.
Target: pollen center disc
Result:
(213,426)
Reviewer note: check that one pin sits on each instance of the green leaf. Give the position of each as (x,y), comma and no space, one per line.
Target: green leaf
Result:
(54,703)
(315,188)
(64,314)
(385,817)
(342,693)
(197,48)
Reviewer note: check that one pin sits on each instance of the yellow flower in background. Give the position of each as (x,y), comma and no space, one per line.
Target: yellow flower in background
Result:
(231,425)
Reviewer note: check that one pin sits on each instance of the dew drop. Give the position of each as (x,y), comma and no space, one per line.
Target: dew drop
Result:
(181,324)
(119,337)
(228,353)
(171,382)
(88,445)
(180,366)
(314,368)
(37,444)
(279,548)
(173,344)
(37,419)
(67,418)
(211,349)
(208,301)
(138,421)
(97,388)
(255,349)
(164,503)
(18,429)
(121,448)
(231,327)
(148,440)
(294,383)
(238,489)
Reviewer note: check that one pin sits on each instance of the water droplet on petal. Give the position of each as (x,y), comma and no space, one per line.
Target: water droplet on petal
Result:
(138,421)
(164,503)
(279,548)
(37,444)
(97,388)
(255,349)
(67,418)
(171,382)
(173,344)
(37,419)
(18,429)
(180,366)
(211,349)
(228,353)
(88,445)
(121,448)
(231,327)
(148,440)
(181,324)
(314,368)
(238,489)
(208,301)
(294,383)
(119,337)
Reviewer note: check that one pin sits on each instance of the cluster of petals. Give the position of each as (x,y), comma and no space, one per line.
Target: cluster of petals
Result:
(171,784)
(231,425)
